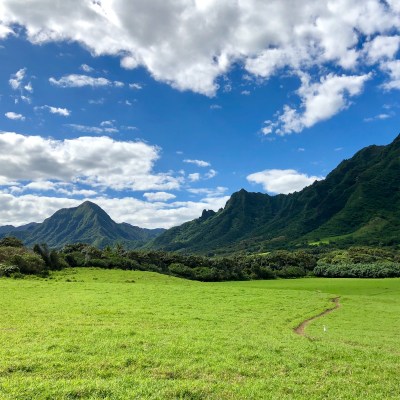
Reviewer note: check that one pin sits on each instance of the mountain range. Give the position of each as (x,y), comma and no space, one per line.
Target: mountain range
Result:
(357,203)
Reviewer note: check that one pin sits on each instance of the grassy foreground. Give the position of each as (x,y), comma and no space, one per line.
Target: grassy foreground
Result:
(110,334)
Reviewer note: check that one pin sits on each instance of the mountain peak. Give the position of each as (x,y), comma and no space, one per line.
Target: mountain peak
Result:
(91,208)
(89,204)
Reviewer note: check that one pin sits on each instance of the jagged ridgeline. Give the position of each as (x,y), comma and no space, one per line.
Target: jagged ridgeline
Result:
(87,223)
(357,203)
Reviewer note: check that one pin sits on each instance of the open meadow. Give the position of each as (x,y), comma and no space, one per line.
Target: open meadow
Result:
(111,334)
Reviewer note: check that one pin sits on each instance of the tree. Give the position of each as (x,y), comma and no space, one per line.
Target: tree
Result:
(11,241)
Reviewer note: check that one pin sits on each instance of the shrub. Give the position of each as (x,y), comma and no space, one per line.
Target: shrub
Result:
(11,241)
(348,270)
(8,270)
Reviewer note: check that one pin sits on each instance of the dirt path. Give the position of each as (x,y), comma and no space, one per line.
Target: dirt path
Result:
(300,329)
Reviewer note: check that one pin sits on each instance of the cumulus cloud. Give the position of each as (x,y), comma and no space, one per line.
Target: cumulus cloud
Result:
(282,180)
(319,101)
(264,36)
(14,116)
(192,44)
(382,47)
(393,69)
(104,163)
(18,210)
(159,196)
(75,80)
(64,188)
(199,163)
(5,31)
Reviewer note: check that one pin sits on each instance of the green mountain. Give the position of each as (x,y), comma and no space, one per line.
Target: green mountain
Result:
(87,223)
(357,203)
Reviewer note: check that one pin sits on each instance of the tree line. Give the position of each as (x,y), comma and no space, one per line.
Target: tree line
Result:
(362,261)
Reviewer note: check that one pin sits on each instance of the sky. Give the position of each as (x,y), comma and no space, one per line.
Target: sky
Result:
(158,109)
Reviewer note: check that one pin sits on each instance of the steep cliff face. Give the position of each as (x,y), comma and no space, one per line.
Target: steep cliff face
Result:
(360,198)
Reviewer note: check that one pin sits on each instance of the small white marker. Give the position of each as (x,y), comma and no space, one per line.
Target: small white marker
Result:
(325,328)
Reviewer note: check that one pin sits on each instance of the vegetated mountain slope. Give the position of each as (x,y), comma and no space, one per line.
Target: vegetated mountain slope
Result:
(87,223)
(359,202)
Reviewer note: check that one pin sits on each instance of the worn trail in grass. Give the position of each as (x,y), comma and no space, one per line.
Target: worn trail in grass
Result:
(300,329)
(120,334)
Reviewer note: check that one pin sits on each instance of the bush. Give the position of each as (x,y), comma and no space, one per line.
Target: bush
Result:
(181,270)
(8,270)
(372,270)
(26,261)
(291,272)
(11,241)
(29,263)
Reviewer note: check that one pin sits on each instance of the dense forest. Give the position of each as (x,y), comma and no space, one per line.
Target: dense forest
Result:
(16,260)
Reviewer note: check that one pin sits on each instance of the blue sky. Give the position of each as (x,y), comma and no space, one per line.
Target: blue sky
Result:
(157,109)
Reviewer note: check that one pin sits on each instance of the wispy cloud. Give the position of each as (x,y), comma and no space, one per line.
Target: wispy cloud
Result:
(55,110)
(199,163)
(75,80)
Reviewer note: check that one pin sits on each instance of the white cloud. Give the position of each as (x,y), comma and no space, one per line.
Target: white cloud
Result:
(159,196)
(18,210)
(56,110)
(263,36)
(18,82)
(199,163)
(192,44)
(98,162)
(16,79)
(319,101)
(64,188)
(86,68)
(5,31)
(110,122)
(282,180)
(93,129)
(97,101)
(378,117)
(129,128)
(28,87)
(194,177)
(75,80)
(215,107)
(382,47)
(209,192)
(14,116)
(393,69)
(210,174)
(136,86)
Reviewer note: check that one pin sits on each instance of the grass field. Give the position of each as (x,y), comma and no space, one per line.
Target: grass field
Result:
(108,334)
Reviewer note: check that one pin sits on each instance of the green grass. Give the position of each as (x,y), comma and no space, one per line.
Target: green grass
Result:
(99,334)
